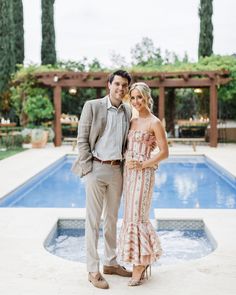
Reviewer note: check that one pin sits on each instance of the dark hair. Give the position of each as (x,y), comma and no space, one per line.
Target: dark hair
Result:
(120,73)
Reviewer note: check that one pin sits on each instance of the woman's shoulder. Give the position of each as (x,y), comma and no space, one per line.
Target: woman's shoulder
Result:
(156,124)
(155,120)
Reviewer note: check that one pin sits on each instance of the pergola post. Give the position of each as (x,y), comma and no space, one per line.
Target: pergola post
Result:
(98,92)
(57,115)
(161,103)
(213,116)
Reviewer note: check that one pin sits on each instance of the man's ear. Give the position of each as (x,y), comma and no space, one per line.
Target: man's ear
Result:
(109,85)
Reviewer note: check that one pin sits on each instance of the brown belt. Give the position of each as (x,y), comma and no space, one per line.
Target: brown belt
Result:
(111,162)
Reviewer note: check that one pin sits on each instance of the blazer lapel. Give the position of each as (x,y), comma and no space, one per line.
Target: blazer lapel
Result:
(103,106)
(127,125)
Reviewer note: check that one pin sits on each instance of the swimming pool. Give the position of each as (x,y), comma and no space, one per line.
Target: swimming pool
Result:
(181,182)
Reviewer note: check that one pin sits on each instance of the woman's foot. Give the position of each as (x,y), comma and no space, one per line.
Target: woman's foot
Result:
(138,275)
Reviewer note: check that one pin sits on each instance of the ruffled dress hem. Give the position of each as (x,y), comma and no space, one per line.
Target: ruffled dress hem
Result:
(139,243)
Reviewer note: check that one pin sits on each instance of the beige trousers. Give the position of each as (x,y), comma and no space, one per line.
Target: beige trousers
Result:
(103,193)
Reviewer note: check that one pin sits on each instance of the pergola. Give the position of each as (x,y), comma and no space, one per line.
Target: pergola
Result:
(161,80)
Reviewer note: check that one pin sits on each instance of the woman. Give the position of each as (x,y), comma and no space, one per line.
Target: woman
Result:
(138,242)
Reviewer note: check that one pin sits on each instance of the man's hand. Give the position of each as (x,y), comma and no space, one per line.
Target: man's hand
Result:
(153,142)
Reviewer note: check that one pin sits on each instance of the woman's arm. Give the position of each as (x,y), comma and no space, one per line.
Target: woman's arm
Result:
(162,144)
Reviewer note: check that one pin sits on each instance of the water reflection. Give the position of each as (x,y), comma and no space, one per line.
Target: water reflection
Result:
(160,179)
(230,202)
(197,205)
(220,198)
(224,198)
(185,186)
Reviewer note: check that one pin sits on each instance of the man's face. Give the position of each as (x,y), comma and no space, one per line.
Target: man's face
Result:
(118,89)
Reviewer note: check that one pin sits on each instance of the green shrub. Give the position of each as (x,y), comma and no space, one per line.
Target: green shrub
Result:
(11,141)
(38,108)
(26,134)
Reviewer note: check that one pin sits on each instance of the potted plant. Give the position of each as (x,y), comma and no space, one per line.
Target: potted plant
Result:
(26,135)
(39,137)
(31,103)
(39,109)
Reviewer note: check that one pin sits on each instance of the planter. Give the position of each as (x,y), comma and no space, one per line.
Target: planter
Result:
(27,145)
(39,138)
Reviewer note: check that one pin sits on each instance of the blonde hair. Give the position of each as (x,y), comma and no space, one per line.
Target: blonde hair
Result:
(145,91)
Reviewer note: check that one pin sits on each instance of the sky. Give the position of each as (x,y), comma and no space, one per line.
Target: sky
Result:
(100,28)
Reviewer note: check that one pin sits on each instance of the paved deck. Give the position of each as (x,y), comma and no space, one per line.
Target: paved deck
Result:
(27,268)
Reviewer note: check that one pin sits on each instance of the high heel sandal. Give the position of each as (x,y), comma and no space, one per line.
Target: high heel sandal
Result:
(146,271)
(144,274)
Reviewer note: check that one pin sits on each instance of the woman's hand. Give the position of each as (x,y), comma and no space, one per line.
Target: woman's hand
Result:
(133,164)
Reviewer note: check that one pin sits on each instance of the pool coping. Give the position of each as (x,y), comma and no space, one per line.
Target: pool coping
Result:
(27,268)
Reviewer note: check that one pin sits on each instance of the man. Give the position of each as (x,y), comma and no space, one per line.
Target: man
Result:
(102,134)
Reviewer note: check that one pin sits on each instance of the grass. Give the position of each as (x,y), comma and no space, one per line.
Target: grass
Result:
(9,152)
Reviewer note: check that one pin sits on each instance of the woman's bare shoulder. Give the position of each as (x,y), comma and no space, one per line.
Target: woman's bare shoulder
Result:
(155,120)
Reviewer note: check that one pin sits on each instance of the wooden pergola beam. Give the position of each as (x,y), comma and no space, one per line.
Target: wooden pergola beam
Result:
(180,83)
(99,80)
(173,83)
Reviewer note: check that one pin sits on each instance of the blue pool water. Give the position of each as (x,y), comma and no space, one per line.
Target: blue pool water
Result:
(181,182)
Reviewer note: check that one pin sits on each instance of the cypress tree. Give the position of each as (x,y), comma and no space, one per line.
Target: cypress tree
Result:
(18,21)
(48,51)
(7,59)
(206,28)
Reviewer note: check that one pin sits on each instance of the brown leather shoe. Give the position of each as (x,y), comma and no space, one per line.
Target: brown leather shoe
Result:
(98,281)
(116,270)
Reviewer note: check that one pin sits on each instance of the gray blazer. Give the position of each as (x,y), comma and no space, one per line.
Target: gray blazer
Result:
(91,127)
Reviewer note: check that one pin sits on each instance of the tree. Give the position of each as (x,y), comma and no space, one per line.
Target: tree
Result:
(206,28)
(94,66)
(145,53)
(7,59)
(38,106)
(18,23)
(117,61)
(48,51)
(31,103)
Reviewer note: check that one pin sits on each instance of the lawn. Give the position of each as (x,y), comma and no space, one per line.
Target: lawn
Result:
(9,152)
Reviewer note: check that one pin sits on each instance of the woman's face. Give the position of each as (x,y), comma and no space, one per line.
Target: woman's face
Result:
(137,101)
